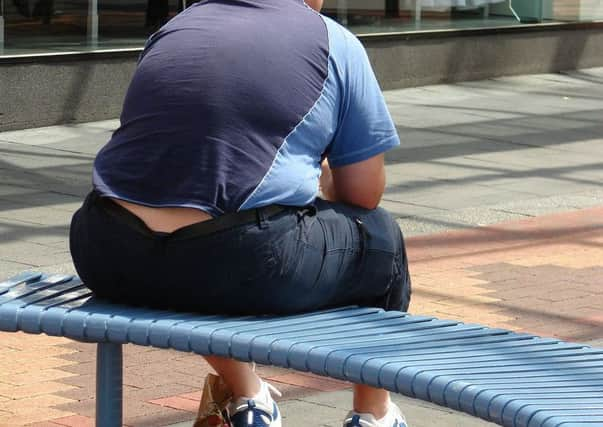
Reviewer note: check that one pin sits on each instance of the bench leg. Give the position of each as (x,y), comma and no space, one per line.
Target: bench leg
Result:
(109,383)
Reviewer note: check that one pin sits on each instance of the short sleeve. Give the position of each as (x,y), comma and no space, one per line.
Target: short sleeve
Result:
(365,127)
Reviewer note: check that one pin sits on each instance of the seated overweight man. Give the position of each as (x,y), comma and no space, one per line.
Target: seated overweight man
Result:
(206,196)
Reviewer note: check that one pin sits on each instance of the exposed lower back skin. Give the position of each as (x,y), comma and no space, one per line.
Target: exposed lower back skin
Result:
(166,220)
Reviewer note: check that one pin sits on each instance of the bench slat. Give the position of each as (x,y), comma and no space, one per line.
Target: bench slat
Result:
(31,317)
(25,277)
(504,410)
(534,417)
(464,348)
(454,395)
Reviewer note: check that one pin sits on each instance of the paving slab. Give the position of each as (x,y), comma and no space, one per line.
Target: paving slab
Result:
(496,187)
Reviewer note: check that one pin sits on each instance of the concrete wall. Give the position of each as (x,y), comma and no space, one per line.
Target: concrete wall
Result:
(78,88)
(65,89)
(464,56)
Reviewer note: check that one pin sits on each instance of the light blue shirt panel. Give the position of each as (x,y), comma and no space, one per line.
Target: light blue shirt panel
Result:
(349,122)
(365,127)
(293,177)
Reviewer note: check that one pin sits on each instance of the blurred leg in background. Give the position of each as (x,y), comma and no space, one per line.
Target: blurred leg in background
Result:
(158,12)
(43,9)
(22,7)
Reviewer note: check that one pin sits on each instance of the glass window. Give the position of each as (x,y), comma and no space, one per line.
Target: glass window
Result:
(378,16)
(44,26)
(47,25)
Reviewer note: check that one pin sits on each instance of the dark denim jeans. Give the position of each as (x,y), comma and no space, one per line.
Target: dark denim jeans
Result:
(300,259)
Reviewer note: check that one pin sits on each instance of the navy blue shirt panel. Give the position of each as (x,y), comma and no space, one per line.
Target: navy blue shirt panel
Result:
(216,92)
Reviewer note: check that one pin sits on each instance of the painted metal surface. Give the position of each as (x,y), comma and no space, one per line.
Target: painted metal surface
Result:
(109,385)
(509,378)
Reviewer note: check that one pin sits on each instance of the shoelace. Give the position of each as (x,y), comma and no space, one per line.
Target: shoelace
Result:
(246,405)
(251,407)
(257,415)
(272,388)
(358,422)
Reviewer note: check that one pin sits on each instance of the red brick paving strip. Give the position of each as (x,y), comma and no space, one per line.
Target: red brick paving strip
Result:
(542,275)
(75,421)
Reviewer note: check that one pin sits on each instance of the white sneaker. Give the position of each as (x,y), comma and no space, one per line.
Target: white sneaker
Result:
(393,418)
(258,411)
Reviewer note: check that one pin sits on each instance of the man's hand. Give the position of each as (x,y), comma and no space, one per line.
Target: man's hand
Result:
(326,188)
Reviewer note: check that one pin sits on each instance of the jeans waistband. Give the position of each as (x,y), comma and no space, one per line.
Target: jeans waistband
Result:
(204,228)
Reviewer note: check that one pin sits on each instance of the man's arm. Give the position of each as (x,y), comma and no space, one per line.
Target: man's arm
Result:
(359,184)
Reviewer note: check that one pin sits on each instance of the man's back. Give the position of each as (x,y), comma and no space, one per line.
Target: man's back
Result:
(216,93)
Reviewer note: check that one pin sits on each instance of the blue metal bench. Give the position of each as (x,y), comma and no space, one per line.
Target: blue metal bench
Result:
(509,378)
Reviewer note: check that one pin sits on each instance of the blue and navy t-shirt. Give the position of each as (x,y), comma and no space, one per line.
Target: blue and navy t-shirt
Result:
(235,102)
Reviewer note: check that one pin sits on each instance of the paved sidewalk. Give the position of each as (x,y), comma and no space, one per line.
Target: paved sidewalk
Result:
(497,188)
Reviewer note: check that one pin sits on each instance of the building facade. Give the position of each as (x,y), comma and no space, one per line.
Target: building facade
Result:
(71,60)
(49,26)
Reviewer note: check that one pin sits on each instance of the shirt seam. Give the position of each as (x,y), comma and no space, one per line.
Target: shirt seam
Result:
(281,148)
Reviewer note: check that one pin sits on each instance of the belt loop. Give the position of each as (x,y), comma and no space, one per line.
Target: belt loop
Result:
(261,218)
(309,210)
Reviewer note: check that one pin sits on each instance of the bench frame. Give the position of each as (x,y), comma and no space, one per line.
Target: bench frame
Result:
(109,385)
